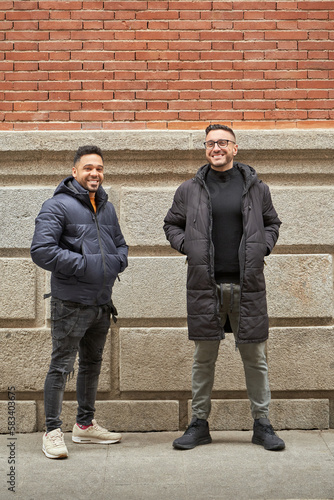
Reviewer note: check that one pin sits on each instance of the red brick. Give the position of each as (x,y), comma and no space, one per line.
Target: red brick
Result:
(5,46)
(6,25)
(58,106)
(60,25)
(27,35)
(92,14)
(27,56)
(26,116)
(285,94)
(91,106)
(7,5)
(94,85)
(155,115)
(182,5)
(71,85)
(147,16)
(128,5)
(252,15)
(92,5)
(191,15)
(93,66)
(285,115)
(253,5)
(60,65)
(314,25)
(157,66)
(221,115)
(313,5)
(26,15)
(27,76)
(287,104)
(256,25)
(56,5)
(91,95)
(189,105)
(59,14)
(156,4)
(156,95)
(318,15)
(89,115)
(285,14)
(61,96)
(21,5)
(124,115)
(26,25)
(116,105)
(119,95)
(60,56)
(25,45)
(286,35)
(285,75)
(60,35)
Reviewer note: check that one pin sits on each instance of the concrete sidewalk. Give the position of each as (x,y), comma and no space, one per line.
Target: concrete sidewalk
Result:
(144,466)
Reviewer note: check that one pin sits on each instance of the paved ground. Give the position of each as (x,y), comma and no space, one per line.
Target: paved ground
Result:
(144,466)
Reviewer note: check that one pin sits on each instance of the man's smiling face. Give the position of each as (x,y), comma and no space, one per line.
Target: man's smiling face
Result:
(221,158)
(88,171)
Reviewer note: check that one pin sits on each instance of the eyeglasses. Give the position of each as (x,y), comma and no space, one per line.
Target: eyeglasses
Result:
(222,143)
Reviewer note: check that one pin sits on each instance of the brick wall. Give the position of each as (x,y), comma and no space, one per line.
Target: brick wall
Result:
(166,64)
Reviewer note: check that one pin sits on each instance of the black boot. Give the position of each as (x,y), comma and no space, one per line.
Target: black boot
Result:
(264,435)
(197,433)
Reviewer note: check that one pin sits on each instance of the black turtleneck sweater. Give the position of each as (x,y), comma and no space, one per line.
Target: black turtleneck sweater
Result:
(226,192)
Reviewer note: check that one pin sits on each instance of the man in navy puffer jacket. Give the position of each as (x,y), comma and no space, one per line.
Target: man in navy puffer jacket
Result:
(78,238)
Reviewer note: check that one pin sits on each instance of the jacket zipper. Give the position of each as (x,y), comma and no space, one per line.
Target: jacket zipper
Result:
(102,255)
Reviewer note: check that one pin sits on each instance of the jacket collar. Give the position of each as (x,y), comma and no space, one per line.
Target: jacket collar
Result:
(248,173)
(72,187)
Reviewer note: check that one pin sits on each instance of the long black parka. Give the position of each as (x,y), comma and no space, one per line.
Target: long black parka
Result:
(188,228)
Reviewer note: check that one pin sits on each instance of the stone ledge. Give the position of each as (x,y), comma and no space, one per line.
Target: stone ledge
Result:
(161,140)
(234,414)
(123,416)
(25,416)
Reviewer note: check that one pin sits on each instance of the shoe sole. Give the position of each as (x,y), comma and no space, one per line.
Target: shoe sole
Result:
(271,448)
(191,446)
(80,440)
(48,455)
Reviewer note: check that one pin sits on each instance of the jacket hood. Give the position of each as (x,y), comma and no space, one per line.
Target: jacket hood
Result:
(72,187)
(248,172)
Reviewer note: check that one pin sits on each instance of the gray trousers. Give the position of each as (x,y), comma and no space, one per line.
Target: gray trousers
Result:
(253,356)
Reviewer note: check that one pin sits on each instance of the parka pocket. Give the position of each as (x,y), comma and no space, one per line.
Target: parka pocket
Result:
(64,318)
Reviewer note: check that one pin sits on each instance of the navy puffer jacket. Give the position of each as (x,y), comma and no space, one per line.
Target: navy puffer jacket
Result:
(84,251)
(188,228)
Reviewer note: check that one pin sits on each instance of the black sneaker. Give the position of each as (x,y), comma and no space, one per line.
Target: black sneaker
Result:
(197,433)
(264,435)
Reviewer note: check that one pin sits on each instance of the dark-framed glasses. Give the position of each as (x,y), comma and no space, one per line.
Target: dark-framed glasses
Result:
(222,143)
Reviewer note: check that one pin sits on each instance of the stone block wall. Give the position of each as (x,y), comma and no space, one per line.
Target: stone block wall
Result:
(145,382)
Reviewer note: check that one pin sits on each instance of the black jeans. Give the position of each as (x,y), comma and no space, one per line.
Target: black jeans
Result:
(82,329)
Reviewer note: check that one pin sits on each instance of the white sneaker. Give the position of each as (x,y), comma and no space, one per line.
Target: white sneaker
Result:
(54,445)
(94,434)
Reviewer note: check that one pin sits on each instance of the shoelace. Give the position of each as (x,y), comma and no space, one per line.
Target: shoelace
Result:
(57,439)
(97,427)
(269,429)
(192,428)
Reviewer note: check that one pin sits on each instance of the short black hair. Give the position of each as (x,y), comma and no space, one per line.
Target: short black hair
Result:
(87,150)
(217,126)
